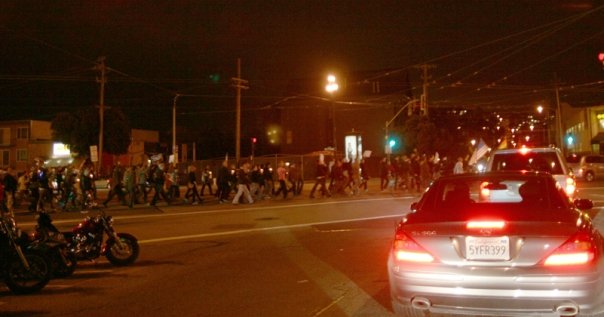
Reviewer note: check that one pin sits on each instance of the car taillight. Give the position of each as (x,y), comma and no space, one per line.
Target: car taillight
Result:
(577,250)
(405,249)
(571,186)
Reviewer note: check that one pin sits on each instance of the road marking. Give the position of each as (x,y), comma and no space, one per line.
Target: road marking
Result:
(177,214)
(329,306)
(225,233)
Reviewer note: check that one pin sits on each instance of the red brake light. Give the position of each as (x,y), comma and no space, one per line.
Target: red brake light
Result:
(578,250)
(405,249)
(485,224)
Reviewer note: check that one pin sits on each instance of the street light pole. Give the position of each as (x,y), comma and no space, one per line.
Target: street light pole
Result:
(331,87)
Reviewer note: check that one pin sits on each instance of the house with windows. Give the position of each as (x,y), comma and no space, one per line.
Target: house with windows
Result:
(22,141)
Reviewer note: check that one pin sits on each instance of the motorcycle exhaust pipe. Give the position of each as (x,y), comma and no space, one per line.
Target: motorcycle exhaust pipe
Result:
(421,303)
(567,310)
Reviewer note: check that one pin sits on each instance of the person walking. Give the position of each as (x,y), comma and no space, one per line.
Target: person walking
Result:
(192,186)
(458,168)
(320,178)
(296,179)
(129,185)
(86,182)
(159,179)
(255,179)
(282,178)
(269,183)
(117,187)
(224,189)
(364,176)
(10,188)
(44,192)
(141,182)
(206,180)
(243,181)
(384,171)
(173,182)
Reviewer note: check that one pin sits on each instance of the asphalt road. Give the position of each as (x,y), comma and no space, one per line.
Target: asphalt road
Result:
(296,257)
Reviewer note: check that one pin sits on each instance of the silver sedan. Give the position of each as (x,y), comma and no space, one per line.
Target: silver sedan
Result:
(497,244)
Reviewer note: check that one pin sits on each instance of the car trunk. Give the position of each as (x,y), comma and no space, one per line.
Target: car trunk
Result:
(517,243)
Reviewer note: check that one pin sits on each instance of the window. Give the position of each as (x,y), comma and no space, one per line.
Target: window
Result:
(4,136)
(4,157)
(22,133)
(22,155)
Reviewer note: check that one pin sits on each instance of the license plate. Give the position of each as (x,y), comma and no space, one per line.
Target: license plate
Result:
(487,248)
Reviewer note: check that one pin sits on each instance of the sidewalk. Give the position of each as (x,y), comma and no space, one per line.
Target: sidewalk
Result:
(114,207)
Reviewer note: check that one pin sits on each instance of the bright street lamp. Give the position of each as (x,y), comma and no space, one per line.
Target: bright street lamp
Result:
(331,87)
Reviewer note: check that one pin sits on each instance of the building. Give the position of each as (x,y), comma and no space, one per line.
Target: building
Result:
(24,140)
(583,129)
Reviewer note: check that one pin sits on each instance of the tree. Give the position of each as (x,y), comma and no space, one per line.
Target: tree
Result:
(419,133)
(79,130)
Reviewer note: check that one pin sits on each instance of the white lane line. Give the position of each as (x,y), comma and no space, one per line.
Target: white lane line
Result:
(177,214)
(329,306)
(224,233)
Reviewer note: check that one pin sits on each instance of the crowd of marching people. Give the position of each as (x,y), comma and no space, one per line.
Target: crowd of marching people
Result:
(412,173)
(73,187)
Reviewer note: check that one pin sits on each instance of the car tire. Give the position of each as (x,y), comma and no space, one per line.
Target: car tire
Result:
(589,176)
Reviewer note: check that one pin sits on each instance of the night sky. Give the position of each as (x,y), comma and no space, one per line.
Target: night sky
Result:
(484,51)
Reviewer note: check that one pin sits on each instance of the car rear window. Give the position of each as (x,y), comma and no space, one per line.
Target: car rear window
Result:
(594,159)
(530,161)
(519,199)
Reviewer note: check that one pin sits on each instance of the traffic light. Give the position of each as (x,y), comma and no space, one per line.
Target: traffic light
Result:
(570,139)
(601,58)
(392,143)
(215,78)
(254,140)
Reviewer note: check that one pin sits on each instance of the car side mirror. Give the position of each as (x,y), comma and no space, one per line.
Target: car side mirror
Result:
(583,204)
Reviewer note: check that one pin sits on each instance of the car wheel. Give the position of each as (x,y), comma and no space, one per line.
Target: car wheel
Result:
(590,177)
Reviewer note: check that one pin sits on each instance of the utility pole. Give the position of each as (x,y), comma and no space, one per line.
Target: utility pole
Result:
(559,116)
(174,145)
(426,78)
(102,80)
(239,84)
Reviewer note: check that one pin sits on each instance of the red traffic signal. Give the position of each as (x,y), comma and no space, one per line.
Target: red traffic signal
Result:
(601,57)
(254,140)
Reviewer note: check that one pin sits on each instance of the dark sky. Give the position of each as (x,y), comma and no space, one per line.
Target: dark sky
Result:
(48,48)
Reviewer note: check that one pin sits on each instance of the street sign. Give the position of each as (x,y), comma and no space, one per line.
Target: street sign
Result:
(94,153)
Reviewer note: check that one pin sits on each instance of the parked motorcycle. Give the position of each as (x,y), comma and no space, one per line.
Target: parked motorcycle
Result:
(95,237)
(48,239)
(24,270)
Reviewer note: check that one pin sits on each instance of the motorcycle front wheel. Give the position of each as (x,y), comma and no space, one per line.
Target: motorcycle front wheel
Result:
(124,255)
(21,280)
(66,263)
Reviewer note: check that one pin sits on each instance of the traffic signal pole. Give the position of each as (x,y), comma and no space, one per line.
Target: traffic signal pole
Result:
(387,147)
